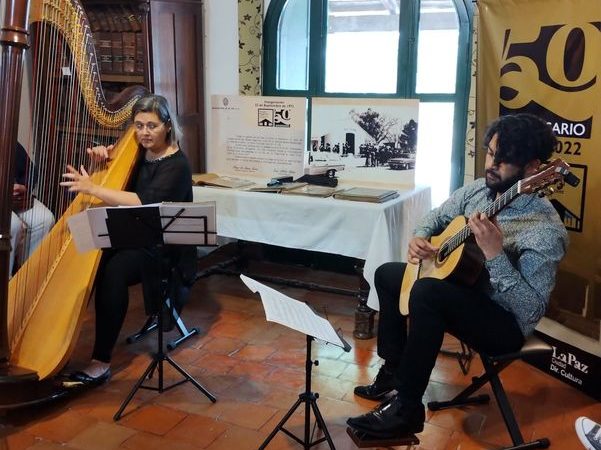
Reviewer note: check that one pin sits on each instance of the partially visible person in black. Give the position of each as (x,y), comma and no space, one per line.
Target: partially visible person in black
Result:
(30,220)
(162,174)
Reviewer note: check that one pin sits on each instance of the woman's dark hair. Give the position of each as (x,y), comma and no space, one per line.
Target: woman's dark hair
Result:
(521,138)
(158,104)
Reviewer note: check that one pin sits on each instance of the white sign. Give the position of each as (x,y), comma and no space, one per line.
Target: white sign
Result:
(257,136)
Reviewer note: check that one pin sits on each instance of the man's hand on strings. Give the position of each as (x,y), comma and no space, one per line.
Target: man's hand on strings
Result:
(489,236)
(100,152)
(420,248)
(79,181)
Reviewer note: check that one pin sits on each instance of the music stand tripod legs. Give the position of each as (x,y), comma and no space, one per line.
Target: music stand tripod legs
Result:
(157,363)
(310,400)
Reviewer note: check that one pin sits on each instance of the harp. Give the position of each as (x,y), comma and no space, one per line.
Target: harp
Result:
(42,305)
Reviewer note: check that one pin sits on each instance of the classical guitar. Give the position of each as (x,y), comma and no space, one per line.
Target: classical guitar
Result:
(458,257)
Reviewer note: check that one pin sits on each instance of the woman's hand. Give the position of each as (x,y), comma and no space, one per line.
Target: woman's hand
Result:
(420,248)
(99,152)
(487,233)
(79,181)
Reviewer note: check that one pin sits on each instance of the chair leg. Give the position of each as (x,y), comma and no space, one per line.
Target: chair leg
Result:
(491,375)
(506,411)
(463,357)
(149,325)
(183,331)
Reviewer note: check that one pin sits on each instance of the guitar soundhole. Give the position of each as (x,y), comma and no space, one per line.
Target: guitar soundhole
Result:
(442,254)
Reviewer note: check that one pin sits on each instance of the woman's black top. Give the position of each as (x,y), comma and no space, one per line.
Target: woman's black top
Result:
(167,179)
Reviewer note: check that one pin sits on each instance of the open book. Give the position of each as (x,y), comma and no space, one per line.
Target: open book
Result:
(372,195)
(212,179)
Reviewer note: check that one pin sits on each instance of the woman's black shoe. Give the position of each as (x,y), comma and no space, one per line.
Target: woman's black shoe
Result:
(90,381)
(382,385)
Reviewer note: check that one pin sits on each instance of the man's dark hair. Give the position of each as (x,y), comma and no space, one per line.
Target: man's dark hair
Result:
(521,138)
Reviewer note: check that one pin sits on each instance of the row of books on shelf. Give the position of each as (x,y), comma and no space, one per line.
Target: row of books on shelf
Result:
(361,194)
(118,39)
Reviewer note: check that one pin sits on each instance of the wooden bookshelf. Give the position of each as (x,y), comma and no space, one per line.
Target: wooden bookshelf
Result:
(166,39)
(117,78)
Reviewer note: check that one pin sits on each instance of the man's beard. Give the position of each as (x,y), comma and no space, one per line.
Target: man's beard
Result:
(497,185)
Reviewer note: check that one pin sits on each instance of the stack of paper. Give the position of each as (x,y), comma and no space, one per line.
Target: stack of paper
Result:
(372,195)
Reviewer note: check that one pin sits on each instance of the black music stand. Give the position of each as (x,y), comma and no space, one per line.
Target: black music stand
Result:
(152,227)
(299,316)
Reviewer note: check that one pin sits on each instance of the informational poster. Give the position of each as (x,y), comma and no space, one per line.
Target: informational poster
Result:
(542,57)
(257,136)
(367,140)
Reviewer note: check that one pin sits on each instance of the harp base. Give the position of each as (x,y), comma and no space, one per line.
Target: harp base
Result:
(15,374)
(20,388)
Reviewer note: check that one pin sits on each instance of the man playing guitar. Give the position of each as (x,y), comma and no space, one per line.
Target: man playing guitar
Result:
(520,246)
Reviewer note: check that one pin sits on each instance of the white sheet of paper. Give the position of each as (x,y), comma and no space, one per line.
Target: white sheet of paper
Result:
(88,229)
(81,232)
(292,313)
(188,221)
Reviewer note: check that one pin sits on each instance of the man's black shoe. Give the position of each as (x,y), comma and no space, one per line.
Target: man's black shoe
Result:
(382,385)
(390,420)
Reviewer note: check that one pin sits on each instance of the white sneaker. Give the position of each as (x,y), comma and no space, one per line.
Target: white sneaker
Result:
(589,433)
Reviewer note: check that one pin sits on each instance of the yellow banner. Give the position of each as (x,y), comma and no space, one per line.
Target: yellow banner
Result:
(544,57)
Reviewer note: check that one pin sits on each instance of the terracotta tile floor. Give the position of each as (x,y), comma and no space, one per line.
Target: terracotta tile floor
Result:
(256,370)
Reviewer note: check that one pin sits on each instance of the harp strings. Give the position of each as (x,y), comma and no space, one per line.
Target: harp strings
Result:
(64,77)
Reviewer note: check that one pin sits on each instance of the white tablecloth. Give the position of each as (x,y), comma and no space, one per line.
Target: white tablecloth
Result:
(374,232)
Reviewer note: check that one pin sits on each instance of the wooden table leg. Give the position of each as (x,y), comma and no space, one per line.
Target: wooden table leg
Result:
(364,315)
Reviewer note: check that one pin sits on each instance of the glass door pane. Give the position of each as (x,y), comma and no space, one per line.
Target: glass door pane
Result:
(362,46)
(434,145)
(437,47)
(293,46)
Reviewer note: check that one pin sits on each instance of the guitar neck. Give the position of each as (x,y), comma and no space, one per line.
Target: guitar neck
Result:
(490,211)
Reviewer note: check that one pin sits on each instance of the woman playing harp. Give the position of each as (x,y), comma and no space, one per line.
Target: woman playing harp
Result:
(162,174)
(42,305)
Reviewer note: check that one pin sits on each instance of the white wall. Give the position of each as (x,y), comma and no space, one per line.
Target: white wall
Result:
(221,53)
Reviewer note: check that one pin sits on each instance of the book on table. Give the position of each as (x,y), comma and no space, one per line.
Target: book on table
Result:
(312,190)
(212,179)
(362,194)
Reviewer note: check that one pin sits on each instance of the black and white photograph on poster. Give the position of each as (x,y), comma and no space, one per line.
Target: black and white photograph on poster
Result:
(358,139)
(260,137)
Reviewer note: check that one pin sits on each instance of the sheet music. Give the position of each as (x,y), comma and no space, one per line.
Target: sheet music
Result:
(294,314)
(89,227)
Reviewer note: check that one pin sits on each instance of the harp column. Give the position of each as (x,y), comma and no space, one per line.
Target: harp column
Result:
(13,42)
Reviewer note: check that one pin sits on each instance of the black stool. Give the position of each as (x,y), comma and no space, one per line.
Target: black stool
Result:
(174,287)
(493,365)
